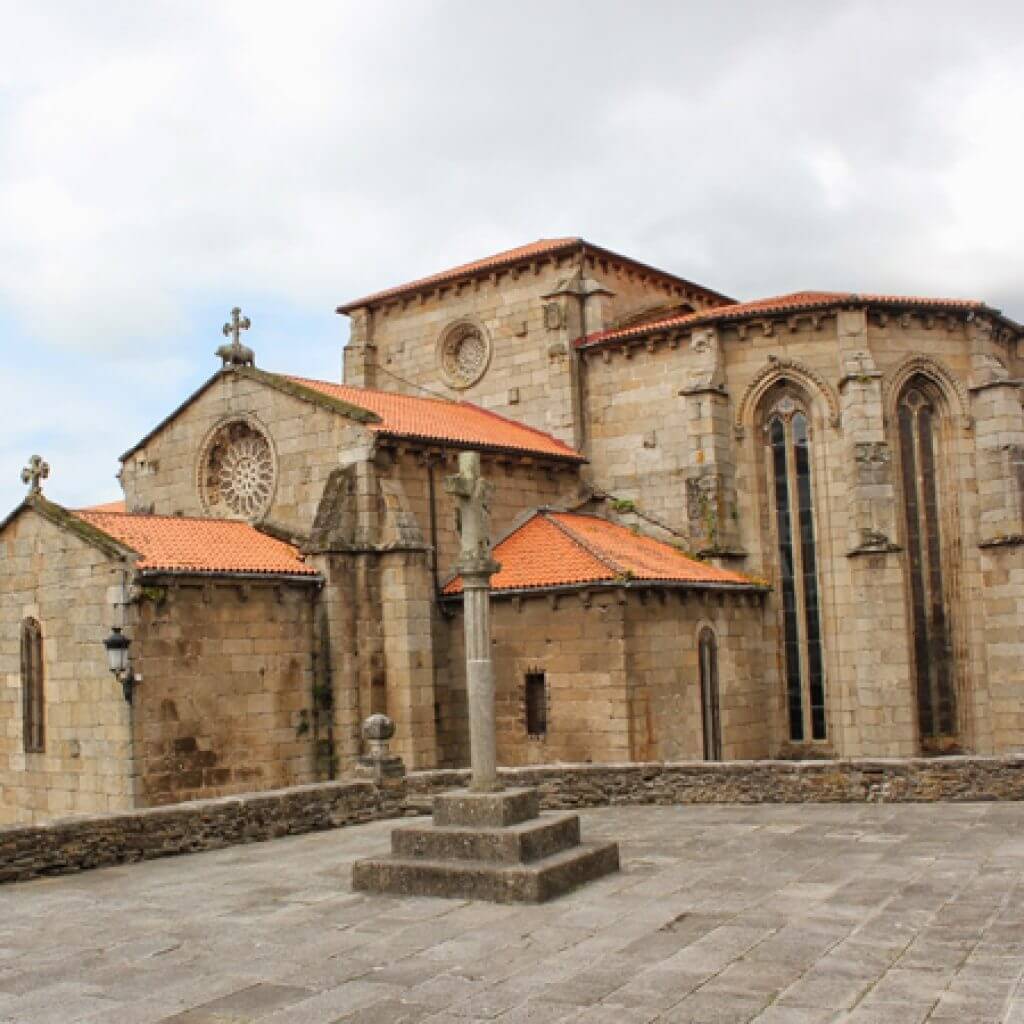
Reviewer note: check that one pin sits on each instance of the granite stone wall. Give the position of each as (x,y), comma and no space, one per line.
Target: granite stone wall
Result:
(911,780)
(75,844)
(70,588)
(227,704)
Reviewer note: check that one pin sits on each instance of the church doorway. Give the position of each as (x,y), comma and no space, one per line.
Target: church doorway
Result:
(711,716)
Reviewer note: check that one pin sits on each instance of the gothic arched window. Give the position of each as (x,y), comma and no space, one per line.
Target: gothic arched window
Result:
(711,718)
(32,686)
(789,445)
(933,662)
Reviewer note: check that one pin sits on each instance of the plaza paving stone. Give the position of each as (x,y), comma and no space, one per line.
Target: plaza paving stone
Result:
(811,914)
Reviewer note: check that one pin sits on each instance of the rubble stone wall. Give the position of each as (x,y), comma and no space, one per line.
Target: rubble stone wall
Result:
(75,844)
(911,780)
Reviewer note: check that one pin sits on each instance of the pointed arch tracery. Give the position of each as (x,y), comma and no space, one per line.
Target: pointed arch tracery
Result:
(787,427)
(941,378)
(775,372)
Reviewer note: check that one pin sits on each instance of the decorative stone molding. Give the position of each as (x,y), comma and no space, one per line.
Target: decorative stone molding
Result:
(463,353)
(237,470)
(952,389)
(785,369)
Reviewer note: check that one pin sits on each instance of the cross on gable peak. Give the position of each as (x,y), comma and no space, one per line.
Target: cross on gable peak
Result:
(37,470)
(236,354)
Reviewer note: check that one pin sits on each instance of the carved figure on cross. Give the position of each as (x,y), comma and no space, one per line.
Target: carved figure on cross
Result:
(473,518)
(34,473)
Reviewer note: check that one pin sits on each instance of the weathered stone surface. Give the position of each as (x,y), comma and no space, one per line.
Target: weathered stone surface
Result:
(516,844)
(486,810)
(93,841)
(909,780)
(72,845)
(714,908)
(535,882)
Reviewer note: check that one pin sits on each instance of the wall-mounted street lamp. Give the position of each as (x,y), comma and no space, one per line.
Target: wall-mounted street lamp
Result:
(117,645)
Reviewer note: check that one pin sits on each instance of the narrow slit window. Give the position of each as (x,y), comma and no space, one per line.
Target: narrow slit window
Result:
(33,728)
(536,704)
(707,651)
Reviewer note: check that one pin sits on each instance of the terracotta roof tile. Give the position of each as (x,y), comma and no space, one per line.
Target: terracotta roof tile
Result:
(437,419)
(791,303)
(178,544)
(107,506)
(541,247)
(553,549)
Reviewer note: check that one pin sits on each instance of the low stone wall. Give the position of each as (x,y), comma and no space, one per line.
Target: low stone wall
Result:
(919,780)
(75,844)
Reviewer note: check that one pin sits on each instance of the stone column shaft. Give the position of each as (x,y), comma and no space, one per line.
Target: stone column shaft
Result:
(476,596)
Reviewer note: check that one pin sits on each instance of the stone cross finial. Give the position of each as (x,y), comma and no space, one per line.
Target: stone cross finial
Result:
(236,354)
(237,324)
(36,471)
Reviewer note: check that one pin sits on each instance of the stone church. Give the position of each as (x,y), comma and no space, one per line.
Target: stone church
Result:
(788,528)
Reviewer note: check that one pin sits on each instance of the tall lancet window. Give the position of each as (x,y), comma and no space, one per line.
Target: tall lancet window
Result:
(933,662)
(789,443)
(32,699)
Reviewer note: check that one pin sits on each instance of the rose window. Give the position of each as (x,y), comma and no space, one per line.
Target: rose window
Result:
(464,353)
(238,472)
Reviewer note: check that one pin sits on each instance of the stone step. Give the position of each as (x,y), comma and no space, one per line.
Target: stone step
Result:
(486,810)
(536,882)
(517,844)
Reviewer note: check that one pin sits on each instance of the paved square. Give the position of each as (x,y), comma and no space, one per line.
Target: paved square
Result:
(815,914)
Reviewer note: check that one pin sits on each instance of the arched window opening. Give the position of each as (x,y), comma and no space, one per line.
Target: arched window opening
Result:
(933,662)
(32,687)
(789,443)
(711,716)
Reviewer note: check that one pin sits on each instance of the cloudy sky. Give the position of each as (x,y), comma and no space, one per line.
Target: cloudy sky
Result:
(162,162)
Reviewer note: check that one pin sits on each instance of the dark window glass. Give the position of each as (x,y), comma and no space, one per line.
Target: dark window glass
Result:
(536,704)
(936,698)
(789,441)
(32,686)
(707,652)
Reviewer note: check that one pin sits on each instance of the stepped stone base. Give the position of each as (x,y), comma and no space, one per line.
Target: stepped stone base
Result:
(488,846)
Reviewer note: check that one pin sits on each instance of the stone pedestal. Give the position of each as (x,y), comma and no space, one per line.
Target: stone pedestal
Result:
(489,846)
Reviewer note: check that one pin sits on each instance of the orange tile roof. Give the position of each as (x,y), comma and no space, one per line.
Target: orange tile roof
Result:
(107,506)
(793,302)
(178,544)
(443,421)
(541,247)
(553,549)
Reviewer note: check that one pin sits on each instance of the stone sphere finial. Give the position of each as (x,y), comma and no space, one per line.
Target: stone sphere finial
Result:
(379,728)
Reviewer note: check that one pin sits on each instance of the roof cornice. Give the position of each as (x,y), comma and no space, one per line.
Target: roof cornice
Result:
(502,262)
(767,309)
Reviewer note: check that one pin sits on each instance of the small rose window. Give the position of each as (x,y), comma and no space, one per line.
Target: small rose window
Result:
(463,353)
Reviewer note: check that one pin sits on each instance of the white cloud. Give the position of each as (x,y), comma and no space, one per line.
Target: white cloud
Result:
(164,159)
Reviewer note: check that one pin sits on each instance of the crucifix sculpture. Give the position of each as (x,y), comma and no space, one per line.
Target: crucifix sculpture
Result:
(236,354)
(34,473)
(476,567)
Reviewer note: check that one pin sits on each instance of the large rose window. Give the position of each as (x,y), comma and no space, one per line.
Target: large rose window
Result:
(237,472)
